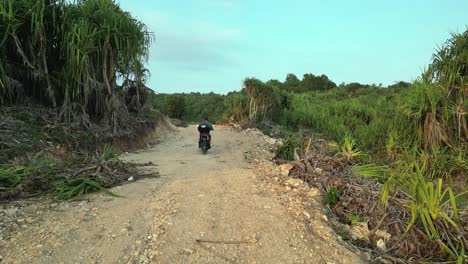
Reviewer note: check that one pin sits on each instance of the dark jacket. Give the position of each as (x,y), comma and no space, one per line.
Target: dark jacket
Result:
(205,126)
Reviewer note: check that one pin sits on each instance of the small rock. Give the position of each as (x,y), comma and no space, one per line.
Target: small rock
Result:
(20,220)
(11,211)
(306,214)
(325,218)
(318,170)
(381,234)
(381,245)
(271,141)
(143,259)
(288,188)
(360,231)
(39,246)
(384,261)
(294,182)
(284,169)
(313,192)
(131,179)
(188,251)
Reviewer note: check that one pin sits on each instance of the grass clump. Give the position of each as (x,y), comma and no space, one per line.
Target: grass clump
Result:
(332,196)
(354,219)
(286,150)
(64,189)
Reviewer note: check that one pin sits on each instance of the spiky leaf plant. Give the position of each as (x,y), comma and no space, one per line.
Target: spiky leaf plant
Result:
(70,54)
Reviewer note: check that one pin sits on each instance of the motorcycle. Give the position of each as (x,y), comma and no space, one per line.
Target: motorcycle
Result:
(205,143)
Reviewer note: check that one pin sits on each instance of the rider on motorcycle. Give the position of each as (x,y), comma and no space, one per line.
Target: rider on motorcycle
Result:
(206,127)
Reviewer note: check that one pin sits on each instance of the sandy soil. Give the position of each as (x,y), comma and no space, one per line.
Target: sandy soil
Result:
(215,199)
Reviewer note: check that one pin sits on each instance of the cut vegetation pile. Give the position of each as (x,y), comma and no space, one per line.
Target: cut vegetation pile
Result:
(418,221)
(65,178)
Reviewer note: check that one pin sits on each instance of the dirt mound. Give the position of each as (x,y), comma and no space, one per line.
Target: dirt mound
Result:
(163,124)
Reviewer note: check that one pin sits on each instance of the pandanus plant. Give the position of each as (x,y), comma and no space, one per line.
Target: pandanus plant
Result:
(71,55)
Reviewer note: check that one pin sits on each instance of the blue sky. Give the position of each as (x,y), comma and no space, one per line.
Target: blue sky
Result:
(212,45)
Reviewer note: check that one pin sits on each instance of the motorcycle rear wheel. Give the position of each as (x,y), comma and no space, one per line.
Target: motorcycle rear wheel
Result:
(204,147)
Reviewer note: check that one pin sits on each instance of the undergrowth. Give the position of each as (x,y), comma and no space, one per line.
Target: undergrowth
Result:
(286,150)
(64,178)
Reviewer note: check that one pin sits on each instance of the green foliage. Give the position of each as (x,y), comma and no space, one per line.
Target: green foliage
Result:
(108,153)
(11,176)
(450,62)
(70,54)
(331,197)
(193,107)
(286,150)
(263,99)
(345,235)
(354,219)
(309,83)
(236,106)
(432,204)
(174,106)
(64,189)
(64,179)
(371,171)
(348,149)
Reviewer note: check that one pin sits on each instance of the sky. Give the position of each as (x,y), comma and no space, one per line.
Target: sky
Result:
(212,45)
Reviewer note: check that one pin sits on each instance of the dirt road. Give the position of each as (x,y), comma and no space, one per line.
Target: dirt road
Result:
(213,198)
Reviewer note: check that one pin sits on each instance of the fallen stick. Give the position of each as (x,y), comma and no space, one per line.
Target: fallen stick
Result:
(214,252)
(225,242)
(83,170)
